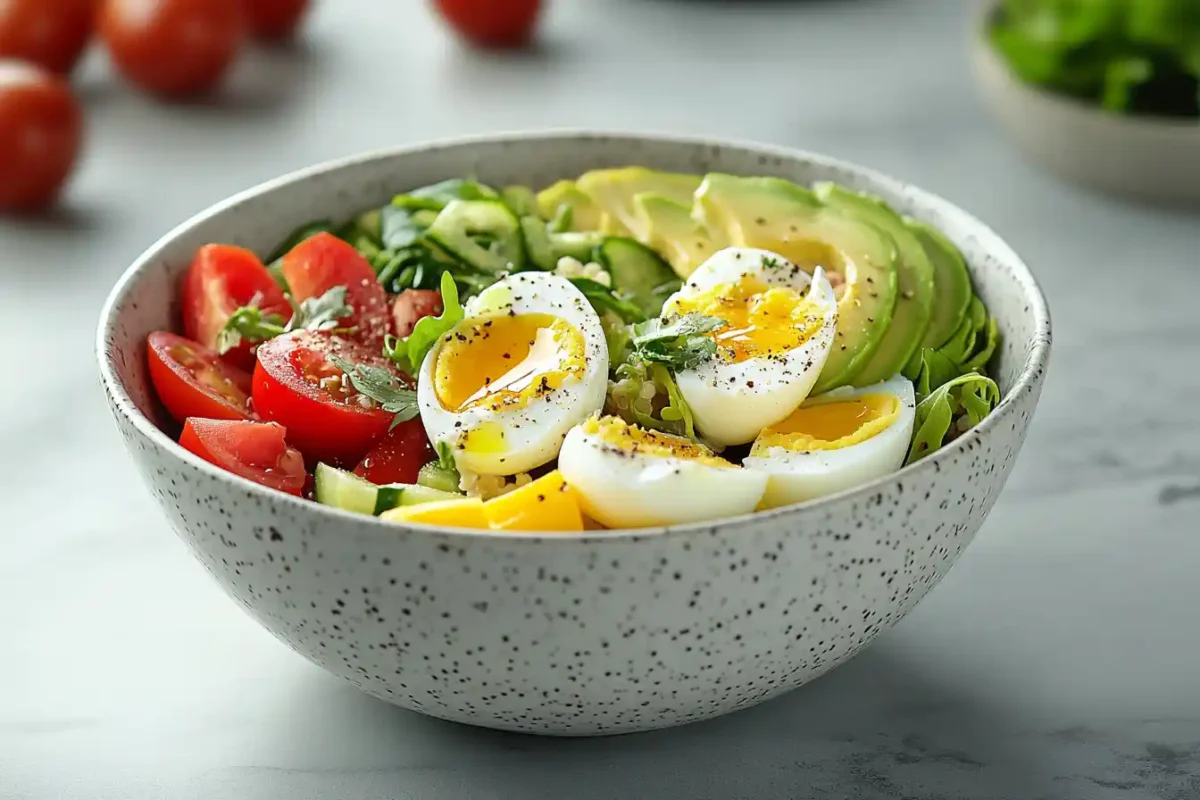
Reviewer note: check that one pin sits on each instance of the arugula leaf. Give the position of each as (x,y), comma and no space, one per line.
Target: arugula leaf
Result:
(250,324)
(437,196)
(411,351)
(383,387)
(933,370)
(604,299)
(951,409)
(678,343)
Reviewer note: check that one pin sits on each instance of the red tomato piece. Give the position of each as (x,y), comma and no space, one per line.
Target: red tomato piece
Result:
(172,47)
(223,278)
(322,262)
(257,451)
(41,127)
(191,380)
(274,19)
(399,457)
(297,385)
(49,33)
(491,23)
(413,305)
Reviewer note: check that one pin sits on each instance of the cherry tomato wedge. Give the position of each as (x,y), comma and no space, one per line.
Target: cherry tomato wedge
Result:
(49,33)
(399,457)
(491,23)
(192,381)
(41,127)
(172,47)
(257,451)
(323,261)
(297,385)
(413,305)
(221,279)
(274,19)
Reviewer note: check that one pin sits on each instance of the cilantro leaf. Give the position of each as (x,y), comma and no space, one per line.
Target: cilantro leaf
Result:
(679,343)
(410,351)
(383,387)
(250,324)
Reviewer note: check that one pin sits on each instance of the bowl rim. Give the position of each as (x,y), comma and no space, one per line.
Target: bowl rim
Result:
(1029,378)
(1130,123)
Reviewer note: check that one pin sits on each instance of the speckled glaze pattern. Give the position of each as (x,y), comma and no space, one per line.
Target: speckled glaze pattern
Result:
(572,635)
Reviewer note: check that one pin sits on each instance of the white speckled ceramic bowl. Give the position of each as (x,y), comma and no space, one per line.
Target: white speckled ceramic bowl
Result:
(1142,158)
(583,634)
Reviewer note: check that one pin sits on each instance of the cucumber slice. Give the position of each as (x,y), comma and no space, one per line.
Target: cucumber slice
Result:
(537,243)
(462,220)
(435,476)
(345,490)
(639,274)
(581,246)
(520,199)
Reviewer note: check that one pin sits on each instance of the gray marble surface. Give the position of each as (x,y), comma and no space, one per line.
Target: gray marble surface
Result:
(1060,660)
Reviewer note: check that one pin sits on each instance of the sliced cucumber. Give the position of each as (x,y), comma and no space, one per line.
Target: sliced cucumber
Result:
(520,199)
(581,246)
(434,476)
(537,243)
(639,274)
(461,221)
(347,491)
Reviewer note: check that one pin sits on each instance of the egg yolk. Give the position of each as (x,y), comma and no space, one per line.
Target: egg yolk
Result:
(505,362)
(831,424)
(620,435)
(759,319)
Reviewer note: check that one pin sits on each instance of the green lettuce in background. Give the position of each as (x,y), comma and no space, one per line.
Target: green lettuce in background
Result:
(1127,56)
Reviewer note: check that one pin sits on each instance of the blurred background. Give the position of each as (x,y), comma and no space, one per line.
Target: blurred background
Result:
(909,87)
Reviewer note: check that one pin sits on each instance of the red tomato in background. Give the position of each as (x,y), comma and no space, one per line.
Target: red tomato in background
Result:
(257,451)
(172,47)
(296,384)
(221,279)
(413,305)
(49,33)
(41,127)
(323,261)
(399,457)
(491,23)
(274,19)
(192,381)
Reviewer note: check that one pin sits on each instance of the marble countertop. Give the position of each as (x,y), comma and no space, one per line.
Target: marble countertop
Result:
(1060,660)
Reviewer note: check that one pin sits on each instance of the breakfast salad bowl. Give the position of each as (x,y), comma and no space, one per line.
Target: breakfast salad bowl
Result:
(577,433)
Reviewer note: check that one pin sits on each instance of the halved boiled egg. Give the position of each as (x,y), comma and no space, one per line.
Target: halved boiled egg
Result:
(771,345)
(838,440)
(527,363)
(627,477)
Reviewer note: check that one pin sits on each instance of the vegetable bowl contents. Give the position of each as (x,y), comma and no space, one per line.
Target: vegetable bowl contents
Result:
(1128,57)
(629,349)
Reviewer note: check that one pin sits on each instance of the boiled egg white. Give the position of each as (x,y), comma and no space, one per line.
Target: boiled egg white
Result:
(528,362)
(838,440)
(771,346)
(628,477)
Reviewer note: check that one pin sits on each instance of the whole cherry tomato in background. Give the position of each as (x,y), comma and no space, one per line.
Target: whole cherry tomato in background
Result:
(49,33)
(274,19)
(492,23)
(40,131)
(172,47)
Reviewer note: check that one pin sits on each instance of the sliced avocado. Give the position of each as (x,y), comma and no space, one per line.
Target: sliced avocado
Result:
(777,215)
(614,191)
(585,214)
(951,281)
(682,241)
(914,301)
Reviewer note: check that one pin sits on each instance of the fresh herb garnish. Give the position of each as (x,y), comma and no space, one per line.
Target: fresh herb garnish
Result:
(771,262)
(950,410)
(679,343)
(250,324)
(663,410)
(410,351)
(604,299)
(383,387)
